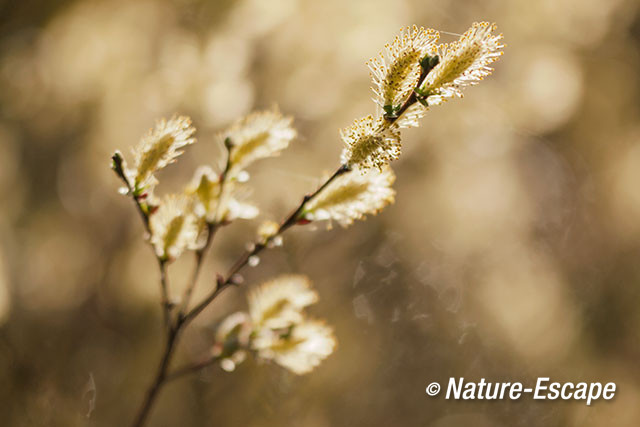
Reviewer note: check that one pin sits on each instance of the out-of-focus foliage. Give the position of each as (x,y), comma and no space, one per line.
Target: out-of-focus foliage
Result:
(512,250)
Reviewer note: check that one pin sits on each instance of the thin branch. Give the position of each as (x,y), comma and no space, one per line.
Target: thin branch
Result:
(159,380)
(212,227)
(292,219)
(119,170)
(413,98)
(164,287)
(199,254)
(117,166)
(190,369)
(183,320)
(228,144)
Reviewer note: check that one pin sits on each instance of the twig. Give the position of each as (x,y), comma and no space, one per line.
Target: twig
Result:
(183,319)
(117,166)
(427,65)
(172,332)
(212,227)
(190,369)
(160,379)
(164,286)
(200,253)
(292,219)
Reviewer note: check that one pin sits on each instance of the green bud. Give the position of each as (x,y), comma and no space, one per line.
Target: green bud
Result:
(390,112)
(428,62)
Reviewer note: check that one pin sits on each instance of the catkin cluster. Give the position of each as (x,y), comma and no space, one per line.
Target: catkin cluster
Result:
(411,74)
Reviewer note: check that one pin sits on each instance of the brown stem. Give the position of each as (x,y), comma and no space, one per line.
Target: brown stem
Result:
(182,321)
(190,369)
(173,330)
(159,380)
(118,168)
(200,253)
(412,99)
(212,227)
(292,219)
(164,287)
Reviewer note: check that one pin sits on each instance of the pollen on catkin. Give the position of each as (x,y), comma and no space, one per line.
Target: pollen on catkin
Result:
(396,70)
(352,196)
(464,62)
(370,143)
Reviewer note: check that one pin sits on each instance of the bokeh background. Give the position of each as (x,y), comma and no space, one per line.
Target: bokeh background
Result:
(512,251)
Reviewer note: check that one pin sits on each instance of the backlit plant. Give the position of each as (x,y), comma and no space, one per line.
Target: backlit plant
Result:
(413,73)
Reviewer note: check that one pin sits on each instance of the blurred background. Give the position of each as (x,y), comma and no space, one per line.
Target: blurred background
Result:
(512,251)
